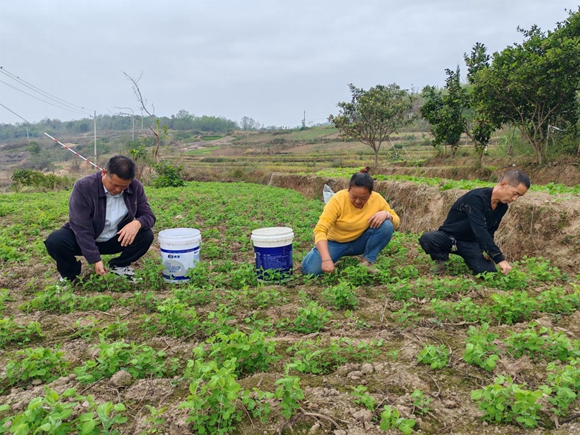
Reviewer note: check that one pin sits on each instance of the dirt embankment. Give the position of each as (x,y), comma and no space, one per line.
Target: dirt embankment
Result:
(564,171)
(537,225)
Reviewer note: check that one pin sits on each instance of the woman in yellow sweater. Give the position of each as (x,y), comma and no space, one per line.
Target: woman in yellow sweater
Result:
(356,221)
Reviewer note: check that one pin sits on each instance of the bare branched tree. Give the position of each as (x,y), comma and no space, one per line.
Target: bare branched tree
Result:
(143,103)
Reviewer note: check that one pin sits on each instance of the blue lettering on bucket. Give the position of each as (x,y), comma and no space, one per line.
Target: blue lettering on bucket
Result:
(181,251)
(175,278)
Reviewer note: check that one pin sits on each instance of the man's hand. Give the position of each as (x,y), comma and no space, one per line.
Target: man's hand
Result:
(505,267)
(128,233)
(100,268)
(378,218)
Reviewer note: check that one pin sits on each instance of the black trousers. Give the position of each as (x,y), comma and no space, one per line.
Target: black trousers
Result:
(63,247)
(439,245)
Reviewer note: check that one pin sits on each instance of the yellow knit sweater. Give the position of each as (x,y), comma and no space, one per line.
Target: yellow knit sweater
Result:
(342,222)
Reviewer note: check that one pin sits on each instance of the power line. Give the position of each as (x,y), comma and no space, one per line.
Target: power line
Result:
(44,101)
(15,113)
(40,91)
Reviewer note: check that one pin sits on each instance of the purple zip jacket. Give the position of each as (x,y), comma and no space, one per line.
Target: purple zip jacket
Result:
(87,212)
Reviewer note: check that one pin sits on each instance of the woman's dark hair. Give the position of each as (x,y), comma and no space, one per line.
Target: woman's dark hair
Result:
(121,166)
(362,179)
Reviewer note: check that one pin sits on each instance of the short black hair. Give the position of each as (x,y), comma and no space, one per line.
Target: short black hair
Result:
(361,179)
(121,166)
(516,177)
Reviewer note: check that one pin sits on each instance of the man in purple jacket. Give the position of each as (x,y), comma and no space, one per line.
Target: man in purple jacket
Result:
(108,214)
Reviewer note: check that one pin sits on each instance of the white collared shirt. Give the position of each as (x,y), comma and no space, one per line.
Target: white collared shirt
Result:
(116,210)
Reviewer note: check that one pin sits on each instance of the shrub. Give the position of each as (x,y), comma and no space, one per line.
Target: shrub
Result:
(168,175)
(38,180)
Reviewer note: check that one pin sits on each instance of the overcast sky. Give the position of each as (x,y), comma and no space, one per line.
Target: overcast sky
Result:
(266,59)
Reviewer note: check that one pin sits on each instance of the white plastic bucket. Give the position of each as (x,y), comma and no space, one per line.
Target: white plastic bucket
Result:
(273,251)
(179,252)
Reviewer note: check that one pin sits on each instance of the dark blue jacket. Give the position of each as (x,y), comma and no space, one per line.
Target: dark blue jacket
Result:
(87,212)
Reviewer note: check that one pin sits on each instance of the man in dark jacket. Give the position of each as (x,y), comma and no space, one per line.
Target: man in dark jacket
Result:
(108,214)
(471,224)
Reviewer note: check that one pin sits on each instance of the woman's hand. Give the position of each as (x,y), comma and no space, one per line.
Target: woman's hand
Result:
(328,265)
(378,218)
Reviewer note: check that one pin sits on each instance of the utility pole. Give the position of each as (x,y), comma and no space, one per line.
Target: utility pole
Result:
(95,133)
(304,121)
(133,116)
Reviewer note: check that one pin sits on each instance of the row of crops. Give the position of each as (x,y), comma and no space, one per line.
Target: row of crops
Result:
(398,351)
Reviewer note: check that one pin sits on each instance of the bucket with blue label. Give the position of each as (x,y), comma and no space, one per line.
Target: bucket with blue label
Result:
(273,252)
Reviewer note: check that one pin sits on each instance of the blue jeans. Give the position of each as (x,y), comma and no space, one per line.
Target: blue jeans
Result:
(369,244)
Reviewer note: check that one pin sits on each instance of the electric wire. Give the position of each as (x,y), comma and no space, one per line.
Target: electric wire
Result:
(15,113)
(40,91)
(47,102)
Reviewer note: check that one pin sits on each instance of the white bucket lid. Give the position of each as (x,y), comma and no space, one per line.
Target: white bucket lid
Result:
(175,234)
(272,234)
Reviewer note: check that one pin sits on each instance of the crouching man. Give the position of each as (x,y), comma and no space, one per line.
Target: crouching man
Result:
(470,226)
(108,214)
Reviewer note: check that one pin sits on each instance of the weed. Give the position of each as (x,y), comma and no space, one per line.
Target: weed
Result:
(564,385)
(342,296)
(4,296)
(504,401)
(139,360)
(174,318)
(311,318)
(243,275)
(155,420)
(556,301)
(541,342)
(391,418)
(218,321)
(364,398)
(39,363)
(406,316)
(106,283)
(436,356)
(540,269)
(54,414)
(479,348)
(290,393)
(465,310)
(256,402)
(517,279)
(420,402)
(12,332)
(213,391)
(324,356)
(513,307)
(356,275)
(253,352)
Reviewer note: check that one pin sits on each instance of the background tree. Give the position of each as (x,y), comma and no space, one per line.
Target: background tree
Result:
(183,120)
(249,124)
(154,127)
(451,113)
(445,111)
(372,116)
(533,85)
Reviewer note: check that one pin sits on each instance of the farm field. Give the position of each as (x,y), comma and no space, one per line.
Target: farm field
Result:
(351,353)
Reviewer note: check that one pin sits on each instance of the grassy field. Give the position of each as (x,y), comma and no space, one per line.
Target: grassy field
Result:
(349,353)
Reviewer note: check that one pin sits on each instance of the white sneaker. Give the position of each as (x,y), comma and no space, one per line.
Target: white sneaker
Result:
(126,271)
